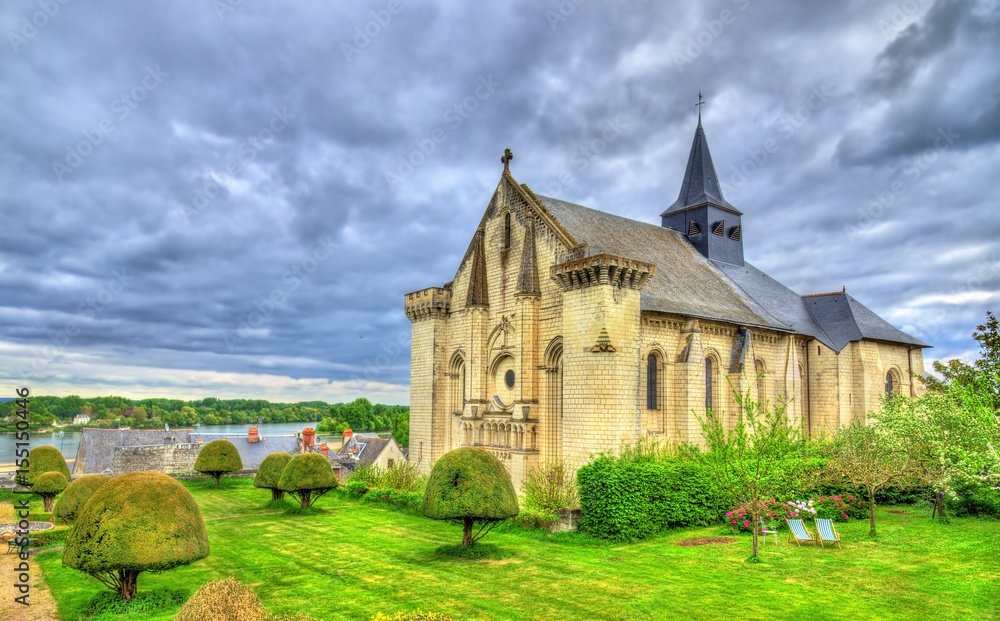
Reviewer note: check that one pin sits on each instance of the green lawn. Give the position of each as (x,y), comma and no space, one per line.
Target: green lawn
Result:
(355,559)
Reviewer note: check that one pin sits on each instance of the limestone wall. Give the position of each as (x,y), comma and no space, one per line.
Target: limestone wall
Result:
(168,458)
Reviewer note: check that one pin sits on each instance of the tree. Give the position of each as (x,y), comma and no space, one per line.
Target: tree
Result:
(269,473)
(48,486)
(224,600)
(138,521)
(217,458)
(76,495)
(758,460)
(984,374)
(872,458)
(42,459)
(307,477)
(469,486)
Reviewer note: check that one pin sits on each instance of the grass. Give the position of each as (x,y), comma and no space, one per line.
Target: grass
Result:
(348,560)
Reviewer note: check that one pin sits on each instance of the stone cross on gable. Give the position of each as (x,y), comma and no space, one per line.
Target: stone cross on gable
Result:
(505,160)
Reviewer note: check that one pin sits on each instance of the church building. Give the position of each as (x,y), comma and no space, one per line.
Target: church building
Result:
(569,331)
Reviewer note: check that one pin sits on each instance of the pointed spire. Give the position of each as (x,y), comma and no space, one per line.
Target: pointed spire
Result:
(527,281)
(478,291)
(701,183)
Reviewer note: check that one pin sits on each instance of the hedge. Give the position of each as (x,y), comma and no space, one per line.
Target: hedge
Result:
(627,499)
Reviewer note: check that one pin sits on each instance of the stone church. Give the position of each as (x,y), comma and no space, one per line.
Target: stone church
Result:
(568,331)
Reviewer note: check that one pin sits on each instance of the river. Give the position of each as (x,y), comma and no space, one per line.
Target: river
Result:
(68,442)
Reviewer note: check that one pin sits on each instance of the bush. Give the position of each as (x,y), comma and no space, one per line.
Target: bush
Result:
(550,487)
(223,600)
(111,606)
(217,458)
(529,517)
(633,497)
(50,536)
(42,459)
(470,485)
(48,486)
(307,477)
(402,475)
(400,499)
(356,488)
(973,498)
(269,473)
(76,495)
(136,522)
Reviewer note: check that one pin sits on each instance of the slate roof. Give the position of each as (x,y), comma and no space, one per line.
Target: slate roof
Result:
(97,445)
(369,446)
(252,453)
(687,283)
(701,183)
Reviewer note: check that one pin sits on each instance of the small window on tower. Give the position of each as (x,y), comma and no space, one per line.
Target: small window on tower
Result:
(720,228)
(506,230)
(693,228)
(734,234)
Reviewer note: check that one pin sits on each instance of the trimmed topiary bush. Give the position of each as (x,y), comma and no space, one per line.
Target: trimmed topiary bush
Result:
(307,477)
(217,458)
(136,522)
(48,486)
(76,495)
(42,459)
(269,473)
(469,485)
(223,600)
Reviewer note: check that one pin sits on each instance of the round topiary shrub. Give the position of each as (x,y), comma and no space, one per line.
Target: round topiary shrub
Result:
(42,459)
(48,486)
(136,522)
(470,485)
(223,600)
(307,477)
(269,473)
(76,495)
(217,458)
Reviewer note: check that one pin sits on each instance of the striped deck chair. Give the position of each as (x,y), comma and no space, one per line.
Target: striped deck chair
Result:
(827,533)
(797,532)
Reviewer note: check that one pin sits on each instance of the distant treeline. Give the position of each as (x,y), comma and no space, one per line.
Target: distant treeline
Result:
(113,412)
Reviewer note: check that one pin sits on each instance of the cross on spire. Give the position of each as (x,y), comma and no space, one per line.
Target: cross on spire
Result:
(505,160)
(698,105)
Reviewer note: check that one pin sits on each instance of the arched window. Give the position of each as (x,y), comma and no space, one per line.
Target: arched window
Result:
(506,230)
(891,383)
(758,367)
(709,377)
(651,381)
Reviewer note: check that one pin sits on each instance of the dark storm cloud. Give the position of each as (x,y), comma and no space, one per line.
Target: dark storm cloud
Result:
(334,157)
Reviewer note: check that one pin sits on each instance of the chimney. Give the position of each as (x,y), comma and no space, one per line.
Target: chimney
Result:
(308,438)
(347,434)
(323,448)
(253,436)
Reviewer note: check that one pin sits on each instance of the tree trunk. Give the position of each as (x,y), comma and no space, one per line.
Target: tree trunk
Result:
(277,494)
(467,532)
(755,538)
(48,501)
(128,584)
(306,499)
(871,513)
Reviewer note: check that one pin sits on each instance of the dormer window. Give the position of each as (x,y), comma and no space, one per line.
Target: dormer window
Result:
(693,228)
(720,228)
(734,234)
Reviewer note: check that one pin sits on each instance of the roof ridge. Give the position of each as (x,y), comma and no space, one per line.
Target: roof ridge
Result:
(820,295)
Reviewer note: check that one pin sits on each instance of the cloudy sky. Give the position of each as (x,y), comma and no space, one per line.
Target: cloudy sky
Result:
(231,198)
